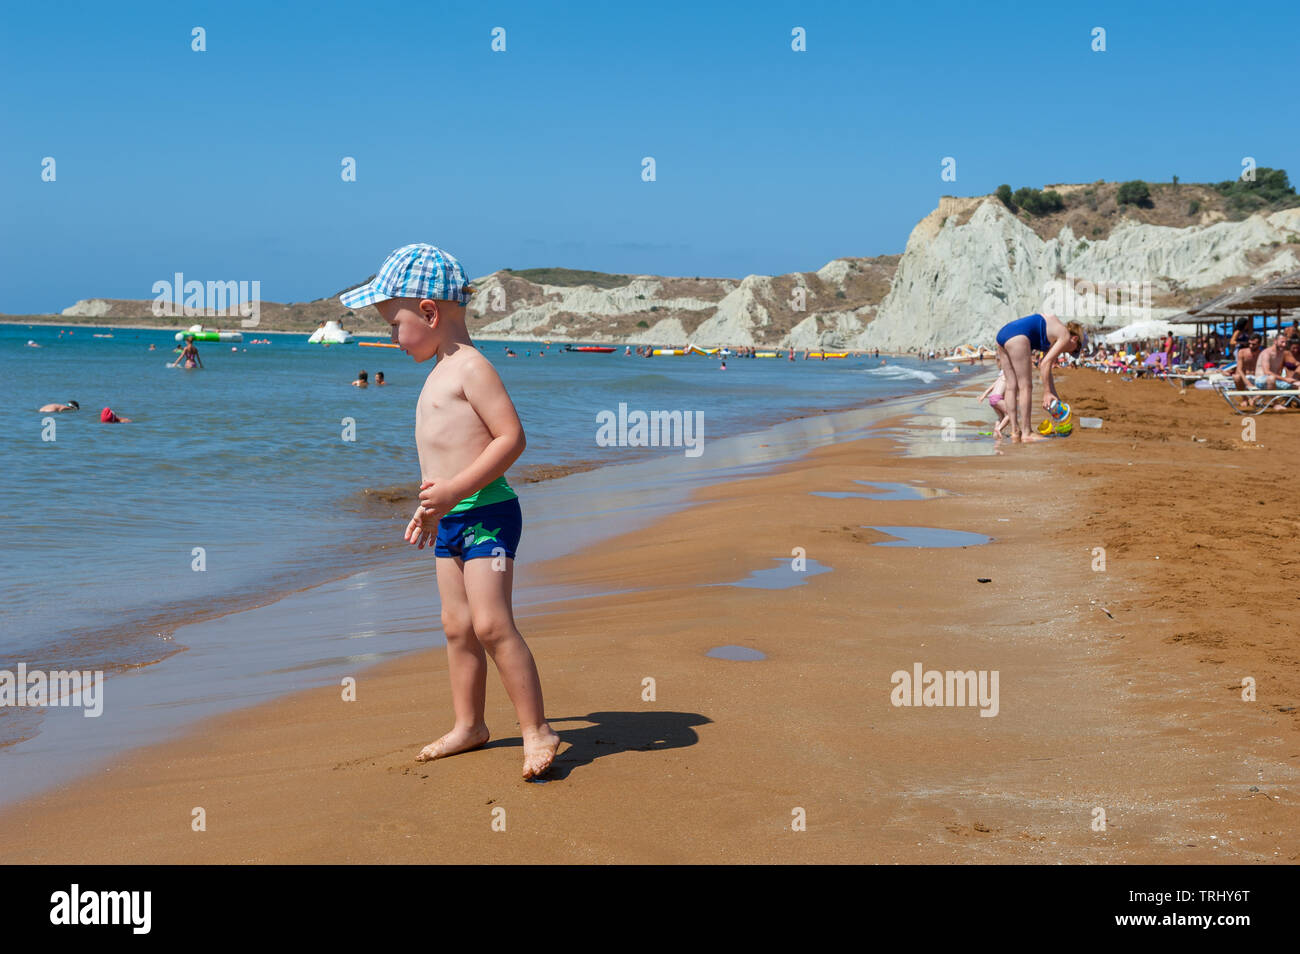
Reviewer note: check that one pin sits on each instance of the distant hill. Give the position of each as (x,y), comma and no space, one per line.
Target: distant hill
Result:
(971,264)
(569,277)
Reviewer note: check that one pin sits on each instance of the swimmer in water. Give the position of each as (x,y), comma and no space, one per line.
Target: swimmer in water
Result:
(362,381)
(189,355)
(56,408)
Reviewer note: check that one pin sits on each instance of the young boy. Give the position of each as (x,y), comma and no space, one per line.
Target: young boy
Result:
(467,434)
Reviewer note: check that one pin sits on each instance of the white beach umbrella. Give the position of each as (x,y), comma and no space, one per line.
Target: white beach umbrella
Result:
(1138,331)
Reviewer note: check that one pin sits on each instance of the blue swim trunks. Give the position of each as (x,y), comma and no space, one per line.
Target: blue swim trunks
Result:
(487,531)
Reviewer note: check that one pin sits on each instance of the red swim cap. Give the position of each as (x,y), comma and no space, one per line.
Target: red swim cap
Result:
(107,416)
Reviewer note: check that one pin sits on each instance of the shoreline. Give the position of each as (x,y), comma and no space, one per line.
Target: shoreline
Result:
(387,519)
(375,504)
(1095,710)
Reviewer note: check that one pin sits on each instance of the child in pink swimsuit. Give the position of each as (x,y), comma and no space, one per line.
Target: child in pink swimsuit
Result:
(994,393)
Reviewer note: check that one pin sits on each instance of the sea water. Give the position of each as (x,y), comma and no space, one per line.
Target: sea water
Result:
(247,480)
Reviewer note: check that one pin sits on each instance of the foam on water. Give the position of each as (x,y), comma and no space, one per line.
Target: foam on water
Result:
(898,372)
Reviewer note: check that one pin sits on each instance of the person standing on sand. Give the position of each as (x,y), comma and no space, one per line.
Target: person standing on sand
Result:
(1017,340)
(467,434)
(995,392)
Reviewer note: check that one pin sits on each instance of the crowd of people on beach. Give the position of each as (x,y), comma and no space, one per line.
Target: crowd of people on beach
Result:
(1245,361)
(1248,360)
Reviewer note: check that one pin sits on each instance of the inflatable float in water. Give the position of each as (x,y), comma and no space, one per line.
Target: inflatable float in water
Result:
(198,334)
(330,333)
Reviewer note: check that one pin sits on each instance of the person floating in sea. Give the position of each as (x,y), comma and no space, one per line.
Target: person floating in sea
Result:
(1017,340)
(362,381)
(379,379)
(106,416)
(467,434)
(57,408)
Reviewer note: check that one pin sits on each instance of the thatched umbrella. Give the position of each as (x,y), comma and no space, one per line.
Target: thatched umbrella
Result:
(1279,296)
(1274,298)
(1208,313)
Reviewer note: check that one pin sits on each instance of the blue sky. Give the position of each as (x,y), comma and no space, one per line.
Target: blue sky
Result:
(225,164)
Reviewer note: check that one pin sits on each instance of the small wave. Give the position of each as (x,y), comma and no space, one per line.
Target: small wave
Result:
(897,371)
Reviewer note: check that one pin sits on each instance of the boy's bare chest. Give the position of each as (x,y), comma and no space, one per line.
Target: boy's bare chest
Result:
(443,412)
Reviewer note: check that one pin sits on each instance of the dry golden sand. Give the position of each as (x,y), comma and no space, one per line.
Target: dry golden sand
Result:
(1140,715)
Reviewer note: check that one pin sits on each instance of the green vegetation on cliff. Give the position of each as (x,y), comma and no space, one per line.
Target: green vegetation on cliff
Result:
(569,277)
(1269,190)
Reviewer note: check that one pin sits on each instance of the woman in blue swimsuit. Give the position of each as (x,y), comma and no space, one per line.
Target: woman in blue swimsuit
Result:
(1016,343)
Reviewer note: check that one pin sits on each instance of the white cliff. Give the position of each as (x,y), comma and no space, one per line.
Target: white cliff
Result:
(959,284)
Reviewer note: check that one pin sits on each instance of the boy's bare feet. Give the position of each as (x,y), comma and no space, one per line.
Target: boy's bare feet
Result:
(539,750)
(1028,438)
(457,740)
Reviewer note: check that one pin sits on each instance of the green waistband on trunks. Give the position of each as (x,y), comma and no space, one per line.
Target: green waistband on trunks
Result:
(495,492)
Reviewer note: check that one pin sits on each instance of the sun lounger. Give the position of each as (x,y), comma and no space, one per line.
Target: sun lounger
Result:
(1270,398)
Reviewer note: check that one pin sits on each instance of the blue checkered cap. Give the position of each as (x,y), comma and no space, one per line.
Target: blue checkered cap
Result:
(413,271)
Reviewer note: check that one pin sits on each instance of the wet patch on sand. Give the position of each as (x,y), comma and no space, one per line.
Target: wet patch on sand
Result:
(736,653)
(929,537)
(780,577)
(886,491)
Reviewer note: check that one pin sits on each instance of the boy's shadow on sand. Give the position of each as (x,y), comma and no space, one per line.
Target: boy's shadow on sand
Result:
(616,732)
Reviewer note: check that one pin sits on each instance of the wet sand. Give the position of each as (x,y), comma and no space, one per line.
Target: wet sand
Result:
(1119,689)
